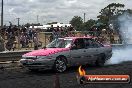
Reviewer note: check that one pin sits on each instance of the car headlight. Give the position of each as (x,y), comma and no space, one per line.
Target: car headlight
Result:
(44,57)
(29,57)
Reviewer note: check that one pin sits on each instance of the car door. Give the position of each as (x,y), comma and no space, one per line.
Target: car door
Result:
(92,50)
(77,54)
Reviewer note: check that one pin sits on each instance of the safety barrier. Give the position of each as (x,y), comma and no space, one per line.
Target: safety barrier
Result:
(12,55)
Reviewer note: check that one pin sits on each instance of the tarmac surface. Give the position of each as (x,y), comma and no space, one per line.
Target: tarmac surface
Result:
(17,77)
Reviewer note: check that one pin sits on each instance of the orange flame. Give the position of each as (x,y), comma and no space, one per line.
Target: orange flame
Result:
(81,71)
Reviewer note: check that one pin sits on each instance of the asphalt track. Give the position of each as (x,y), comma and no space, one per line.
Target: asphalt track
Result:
(21,78)
(17,77)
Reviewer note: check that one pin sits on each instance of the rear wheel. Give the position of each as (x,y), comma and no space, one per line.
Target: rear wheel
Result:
(100,61)
(60,64)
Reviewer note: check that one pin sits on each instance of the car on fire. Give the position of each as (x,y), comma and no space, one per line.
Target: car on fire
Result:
(62,53)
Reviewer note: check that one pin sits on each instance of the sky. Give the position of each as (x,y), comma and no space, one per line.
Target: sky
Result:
(44,11)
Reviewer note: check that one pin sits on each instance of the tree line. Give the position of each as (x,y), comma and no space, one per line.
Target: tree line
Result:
(107,15)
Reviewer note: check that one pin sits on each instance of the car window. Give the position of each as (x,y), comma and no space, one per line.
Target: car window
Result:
(60,43)
(98,44)
(79,43)
(89,43)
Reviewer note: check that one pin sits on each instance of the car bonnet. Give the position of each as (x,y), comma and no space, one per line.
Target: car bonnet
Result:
(46,52)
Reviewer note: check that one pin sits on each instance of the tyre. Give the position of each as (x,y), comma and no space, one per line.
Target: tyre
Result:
(60,64)
(100,61)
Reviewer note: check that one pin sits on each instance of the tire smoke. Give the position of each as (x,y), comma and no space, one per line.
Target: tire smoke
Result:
(124,51)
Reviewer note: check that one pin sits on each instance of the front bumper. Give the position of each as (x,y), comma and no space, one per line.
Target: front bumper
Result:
(40,65)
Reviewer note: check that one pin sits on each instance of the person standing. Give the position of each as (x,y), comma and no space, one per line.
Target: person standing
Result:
(36,41)
(22,40)
(10,43)
(2,48)
(54,32)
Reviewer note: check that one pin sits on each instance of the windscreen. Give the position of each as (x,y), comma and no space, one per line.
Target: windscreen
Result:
(60,43)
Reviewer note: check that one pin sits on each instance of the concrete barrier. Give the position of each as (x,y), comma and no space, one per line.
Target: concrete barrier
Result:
(16,55)
(12,55)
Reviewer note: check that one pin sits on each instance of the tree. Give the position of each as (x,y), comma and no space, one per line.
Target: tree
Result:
(129,11)
(77,22)
(87,25)
(27,25)
(110,14)
(110,11)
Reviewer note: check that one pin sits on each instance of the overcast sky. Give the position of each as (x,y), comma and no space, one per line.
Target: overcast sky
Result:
(54,10)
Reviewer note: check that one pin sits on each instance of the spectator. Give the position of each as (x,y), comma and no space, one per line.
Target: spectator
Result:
(24,29)
(9,44)
(55,33)
(30,33)
(66,31)
(2,48)
(51,29)
(3,31)
(62,32)
(58,31)
(9,31)
(36,41)
(50,38)
(23,40)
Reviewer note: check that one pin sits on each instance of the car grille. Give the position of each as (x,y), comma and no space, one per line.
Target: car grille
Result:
(30,57)
(32,64)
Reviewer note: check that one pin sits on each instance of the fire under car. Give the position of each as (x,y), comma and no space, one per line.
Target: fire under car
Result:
(62,53)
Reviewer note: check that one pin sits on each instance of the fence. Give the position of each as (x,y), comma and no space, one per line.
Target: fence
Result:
(45,38)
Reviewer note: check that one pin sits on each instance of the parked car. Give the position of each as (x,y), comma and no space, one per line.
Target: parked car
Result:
(69,51)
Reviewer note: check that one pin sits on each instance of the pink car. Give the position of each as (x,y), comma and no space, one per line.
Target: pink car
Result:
(64,52)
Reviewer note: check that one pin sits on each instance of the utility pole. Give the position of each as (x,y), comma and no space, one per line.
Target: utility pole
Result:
(2,13)
(18,20)
(84,17)
(37,19)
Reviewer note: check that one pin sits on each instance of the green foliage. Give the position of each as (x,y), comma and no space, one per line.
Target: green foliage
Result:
(87,25)
(77,22)
(27,25)
(109,12)
(108,15)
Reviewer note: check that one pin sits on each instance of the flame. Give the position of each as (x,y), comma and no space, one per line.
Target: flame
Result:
(81,71)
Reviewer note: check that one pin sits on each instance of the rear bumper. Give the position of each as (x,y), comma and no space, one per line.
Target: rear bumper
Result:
(109,55)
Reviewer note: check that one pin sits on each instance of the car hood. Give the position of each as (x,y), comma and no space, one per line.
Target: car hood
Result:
(46,52)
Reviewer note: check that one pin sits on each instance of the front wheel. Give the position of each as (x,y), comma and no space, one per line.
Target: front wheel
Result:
(60,64)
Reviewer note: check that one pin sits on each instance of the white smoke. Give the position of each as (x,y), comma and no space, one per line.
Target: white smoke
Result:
(123,53)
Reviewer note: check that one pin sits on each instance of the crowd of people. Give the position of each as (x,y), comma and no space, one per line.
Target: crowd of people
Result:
(24,35)
(58,32)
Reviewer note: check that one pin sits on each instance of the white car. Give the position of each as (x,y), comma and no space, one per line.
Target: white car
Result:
(64,52)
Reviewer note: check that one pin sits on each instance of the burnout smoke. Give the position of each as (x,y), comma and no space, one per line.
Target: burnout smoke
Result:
(124,52)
